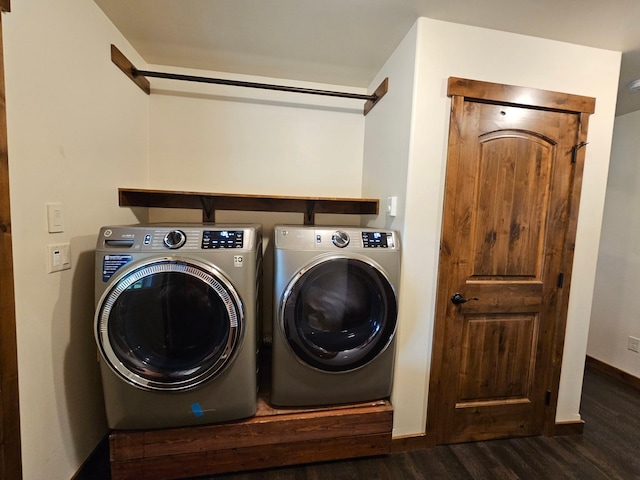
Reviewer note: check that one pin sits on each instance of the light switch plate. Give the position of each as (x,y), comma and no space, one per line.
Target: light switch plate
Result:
(55,218)
(392,206)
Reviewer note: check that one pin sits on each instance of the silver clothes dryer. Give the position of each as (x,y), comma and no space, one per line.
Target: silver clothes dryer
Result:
(176,323)
(335,314)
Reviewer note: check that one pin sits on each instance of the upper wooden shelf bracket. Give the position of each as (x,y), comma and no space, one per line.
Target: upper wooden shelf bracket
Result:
(139,78)
(210,202)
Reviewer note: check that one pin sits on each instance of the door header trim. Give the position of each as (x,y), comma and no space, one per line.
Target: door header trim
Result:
(524,96)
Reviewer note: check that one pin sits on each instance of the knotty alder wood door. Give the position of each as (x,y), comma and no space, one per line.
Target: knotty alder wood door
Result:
(512,188)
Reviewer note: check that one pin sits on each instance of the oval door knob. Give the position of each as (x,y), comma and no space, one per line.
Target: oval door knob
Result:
(458,299)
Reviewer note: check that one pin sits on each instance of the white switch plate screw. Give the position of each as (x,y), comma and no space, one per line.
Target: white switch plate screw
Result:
(633,344)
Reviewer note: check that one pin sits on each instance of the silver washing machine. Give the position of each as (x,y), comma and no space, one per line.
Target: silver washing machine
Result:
(335,313)
(176,323)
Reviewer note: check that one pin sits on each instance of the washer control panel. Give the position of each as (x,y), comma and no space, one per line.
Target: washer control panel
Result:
(184,237)
(222,239)
(120,245)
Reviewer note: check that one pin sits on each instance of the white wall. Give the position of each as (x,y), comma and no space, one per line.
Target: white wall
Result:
(77,130)
(386,163)
(614,315)
(214,138)
(223,139)
(444,50)
(387,134)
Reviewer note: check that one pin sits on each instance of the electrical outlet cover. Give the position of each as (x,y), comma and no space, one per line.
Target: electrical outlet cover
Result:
(58,257)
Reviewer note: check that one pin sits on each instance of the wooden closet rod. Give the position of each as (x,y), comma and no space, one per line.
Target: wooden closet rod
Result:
(139,78)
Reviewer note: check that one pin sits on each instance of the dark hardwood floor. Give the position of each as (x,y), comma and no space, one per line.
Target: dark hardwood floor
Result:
(608,449)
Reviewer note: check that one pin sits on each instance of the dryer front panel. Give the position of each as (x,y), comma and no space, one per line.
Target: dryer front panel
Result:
(169,324)
(338,314)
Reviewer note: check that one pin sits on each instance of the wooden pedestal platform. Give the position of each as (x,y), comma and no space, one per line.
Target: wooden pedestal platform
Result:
(273,437)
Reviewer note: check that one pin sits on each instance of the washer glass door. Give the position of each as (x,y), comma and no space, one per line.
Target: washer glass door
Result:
(169,324)
(339,314)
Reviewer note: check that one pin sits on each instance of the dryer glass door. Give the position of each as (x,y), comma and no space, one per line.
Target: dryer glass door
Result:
(169,325)
(339,315)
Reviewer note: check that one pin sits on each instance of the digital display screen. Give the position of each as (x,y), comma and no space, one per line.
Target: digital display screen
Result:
(222,239)
(374,240)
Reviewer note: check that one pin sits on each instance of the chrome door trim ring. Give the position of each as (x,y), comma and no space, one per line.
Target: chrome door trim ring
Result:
(203,271)
(303,271)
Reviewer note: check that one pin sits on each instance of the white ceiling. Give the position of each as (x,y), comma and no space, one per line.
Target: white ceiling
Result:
(345,42)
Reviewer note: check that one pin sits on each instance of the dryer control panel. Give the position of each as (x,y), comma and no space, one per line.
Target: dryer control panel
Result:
(297,237)
(377,240)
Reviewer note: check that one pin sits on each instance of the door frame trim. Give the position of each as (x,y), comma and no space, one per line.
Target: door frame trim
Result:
(459,89)
(520,96)
(10,443)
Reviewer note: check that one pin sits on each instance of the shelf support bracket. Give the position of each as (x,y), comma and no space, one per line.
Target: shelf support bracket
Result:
(123,63)
(208,209)
(310,214)
(380,92)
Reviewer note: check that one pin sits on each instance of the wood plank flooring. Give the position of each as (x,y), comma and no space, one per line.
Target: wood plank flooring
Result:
(607,450)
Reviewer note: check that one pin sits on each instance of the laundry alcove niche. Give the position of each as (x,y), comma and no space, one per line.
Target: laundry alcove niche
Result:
(274,436)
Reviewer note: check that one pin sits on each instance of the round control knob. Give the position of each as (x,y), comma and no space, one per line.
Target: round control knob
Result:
(340,239)
(175,239)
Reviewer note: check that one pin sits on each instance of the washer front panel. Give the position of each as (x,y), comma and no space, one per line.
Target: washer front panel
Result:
(338,313)
(169,323)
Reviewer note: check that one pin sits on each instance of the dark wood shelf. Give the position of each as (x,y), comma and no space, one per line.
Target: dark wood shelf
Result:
(210,202)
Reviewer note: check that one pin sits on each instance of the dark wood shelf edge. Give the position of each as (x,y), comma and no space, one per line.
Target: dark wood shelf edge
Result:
(210,202)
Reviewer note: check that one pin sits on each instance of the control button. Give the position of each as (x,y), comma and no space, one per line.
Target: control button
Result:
(340,239)
(175,239)
(390,242)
